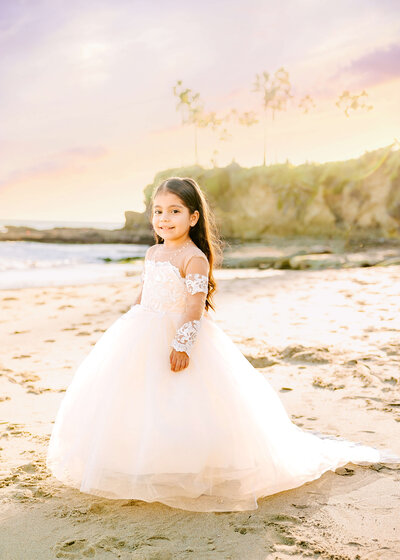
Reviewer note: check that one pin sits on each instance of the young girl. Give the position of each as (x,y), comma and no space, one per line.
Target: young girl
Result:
(166,408)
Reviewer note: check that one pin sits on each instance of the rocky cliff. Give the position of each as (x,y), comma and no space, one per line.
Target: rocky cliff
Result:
(354,198)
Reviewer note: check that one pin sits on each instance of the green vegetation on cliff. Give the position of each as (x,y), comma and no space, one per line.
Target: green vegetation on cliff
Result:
(354,198)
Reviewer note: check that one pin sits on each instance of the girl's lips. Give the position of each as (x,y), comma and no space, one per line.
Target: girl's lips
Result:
(165,227)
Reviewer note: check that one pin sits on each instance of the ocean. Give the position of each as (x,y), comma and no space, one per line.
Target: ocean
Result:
(31,264)
(47,224)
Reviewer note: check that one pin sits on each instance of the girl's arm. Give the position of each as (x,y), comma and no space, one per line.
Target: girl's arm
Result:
(139,297)
(196,280)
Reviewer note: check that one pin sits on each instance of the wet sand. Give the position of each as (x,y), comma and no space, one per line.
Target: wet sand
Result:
(328,341)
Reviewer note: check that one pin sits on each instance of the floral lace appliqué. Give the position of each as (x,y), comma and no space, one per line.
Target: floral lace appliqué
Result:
(196,282)
(163,289)
(185,336)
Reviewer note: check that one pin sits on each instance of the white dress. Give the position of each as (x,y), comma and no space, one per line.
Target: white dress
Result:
(211,437)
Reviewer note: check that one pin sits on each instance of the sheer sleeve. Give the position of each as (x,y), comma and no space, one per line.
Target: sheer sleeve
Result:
(196,280)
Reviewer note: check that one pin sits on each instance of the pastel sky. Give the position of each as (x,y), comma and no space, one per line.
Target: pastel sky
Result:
(87,110)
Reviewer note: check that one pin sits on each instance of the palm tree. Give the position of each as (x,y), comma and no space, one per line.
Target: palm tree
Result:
(348,102)
(275,91)
(194,108)
(306,103)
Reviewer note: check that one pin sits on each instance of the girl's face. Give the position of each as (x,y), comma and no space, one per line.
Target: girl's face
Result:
(171,218)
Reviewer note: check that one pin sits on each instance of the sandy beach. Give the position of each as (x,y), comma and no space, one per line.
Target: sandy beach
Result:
(327,340)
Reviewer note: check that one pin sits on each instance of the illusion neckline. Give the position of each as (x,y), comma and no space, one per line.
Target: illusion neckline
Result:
(170,263)
(187,243)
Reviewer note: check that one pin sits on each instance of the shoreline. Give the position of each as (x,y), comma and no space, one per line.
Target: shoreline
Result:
(33,267)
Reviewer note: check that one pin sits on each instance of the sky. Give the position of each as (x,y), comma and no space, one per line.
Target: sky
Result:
(88,114)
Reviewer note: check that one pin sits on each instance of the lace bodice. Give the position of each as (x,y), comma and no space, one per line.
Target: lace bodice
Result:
(177,284)
(164,288)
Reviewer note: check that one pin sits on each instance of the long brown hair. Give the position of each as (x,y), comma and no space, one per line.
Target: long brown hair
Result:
(204,233)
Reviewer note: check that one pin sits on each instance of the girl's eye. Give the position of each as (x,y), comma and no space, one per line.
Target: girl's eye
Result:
(175,210)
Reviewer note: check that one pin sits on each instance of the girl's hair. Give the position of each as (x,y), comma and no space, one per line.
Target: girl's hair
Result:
(204,233)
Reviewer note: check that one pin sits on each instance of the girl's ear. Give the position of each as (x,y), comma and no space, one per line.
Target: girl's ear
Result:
(196,215)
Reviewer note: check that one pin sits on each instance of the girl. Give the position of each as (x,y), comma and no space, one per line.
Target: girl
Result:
(166,408)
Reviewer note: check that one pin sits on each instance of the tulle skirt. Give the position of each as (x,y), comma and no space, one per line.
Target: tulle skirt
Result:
(212,437)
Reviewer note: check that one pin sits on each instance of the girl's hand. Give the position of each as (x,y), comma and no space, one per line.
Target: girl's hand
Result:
(178,360)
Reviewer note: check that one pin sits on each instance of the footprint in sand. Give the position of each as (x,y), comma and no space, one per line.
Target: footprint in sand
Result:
(322,384)
(74,548)
(344,471)
(392,380)
(300,506)
(35,391)
(82,511)
(255,525)
(81,548)
(28,377)
(301,353)
(83,333)
(391,349)
(261,361)
(65,306)
(10,299)
(14,430)
(26,482)
(25,380)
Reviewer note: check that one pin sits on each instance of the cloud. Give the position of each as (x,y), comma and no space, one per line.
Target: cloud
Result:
(73,160)
(380,65)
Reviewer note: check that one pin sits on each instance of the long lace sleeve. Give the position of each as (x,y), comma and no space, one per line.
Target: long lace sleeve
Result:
(196,280)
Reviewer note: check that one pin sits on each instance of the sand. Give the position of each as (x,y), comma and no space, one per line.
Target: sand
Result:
(328,341)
